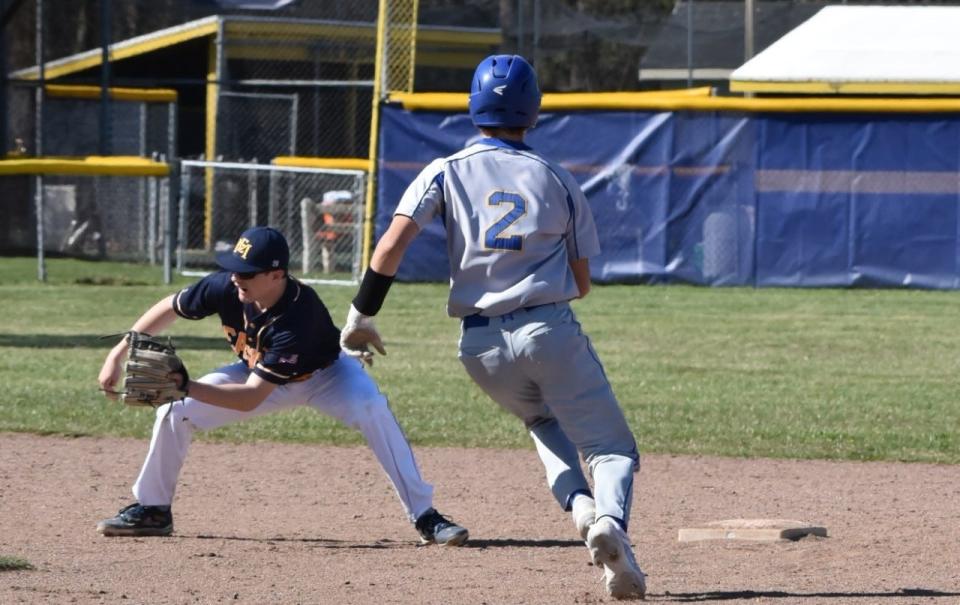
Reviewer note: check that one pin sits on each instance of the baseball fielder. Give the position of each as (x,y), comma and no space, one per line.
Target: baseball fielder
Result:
(519,236)
(289,355)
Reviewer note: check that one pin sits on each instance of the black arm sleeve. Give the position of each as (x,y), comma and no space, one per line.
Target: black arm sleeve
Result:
(373,290)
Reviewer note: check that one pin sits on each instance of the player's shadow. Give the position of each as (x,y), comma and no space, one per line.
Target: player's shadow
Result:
(384,543)
(97,341)
(313,542)
(755,595)
(522,543)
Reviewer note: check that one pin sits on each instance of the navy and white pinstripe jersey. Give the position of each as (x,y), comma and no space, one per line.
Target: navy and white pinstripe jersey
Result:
(285,343)
(514,221)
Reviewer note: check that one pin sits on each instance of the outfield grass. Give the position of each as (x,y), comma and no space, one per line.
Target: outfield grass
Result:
(801,373)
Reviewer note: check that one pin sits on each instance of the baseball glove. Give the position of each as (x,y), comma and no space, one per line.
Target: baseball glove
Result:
(154,374)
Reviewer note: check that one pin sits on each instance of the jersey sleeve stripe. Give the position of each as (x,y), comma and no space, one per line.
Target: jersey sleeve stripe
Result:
(263,368)
(573,219)
(438,183)
(438,180)
(179,310)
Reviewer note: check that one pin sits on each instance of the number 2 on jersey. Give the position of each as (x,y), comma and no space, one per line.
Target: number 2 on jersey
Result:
(491,240)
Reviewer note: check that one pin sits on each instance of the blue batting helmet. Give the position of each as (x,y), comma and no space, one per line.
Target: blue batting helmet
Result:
(504,93)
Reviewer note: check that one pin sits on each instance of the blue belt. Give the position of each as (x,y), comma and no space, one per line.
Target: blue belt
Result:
(480,321)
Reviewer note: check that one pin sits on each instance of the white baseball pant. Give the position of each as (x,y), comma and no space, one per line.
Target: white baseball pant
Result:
(344,390)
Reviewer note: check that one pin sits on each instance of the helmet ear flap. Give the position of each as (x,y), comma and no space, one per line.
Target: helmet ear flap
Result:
(504,93)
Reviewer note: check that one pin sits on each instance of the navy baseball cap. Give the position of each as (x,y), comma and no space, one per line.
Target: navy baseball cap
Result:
(257,249)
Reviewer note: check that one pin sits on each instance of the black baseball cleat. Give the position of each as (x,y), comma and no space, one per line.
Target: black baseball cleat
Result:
(434,528)
(138,520)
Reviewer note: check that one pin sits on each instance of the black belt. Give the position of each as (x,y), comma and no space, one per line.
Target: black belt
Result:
(475,321)
(480,321)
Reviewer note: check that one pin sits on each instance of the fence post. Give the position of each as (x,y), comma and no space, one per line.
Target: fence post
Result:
(154,210)
(306,224)
(4,127)
(183,208)
(38,202)
(252,197)
(38,143)
(168,233)
(106,111)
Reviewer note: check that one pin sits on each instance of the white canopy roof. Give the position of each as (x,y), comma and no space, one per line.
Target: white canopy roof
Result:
(862,50)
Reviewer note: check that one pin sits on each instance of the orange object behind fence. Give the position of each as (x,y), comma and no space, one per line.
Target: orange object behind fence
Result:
(337,211)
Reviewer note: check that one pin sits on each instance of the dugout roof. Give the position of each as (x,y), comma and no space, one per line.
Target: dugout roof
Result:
(886,50)
(276,39)
(328,63)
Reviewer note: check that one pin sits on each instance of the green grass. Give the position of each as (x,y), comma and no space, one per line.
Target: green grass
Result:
(13,563)
(802,373)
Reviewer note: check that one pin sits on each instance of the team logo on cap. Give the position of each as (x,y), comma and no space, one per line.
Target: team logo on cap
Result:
(243,248)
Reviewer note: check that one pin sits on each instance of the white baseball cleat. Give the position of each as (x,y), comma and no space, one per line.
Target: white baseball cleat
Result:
(584,514)
(610,547)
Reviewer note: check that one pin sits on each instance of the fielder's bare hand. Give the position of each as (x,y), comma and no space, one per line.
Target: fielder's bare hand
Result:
(109,377)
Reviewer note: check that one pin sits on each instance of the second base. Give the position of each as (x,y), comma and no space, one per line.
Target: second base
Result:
(751,529)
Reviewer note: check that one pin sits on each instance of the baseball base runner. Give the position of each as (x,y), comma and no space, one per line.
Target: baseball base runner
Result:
(519,235)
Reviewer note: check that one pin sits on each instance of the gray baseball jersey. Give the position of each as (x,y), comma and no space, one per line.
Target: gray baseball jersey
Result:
(514,222)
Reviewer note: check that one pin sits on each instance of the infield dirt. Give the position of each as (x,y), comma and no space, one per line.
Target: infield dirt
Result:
(275,523)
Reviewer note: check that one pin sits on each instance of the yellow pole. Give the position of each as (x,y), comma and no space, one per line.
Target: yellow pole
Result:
(210,147)
(411,72)
(374,131)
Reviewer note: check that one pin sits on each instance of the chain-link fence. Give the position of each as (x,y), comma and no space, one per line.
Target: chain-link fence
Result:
(292,87)
(324,54)
(242,118)
(251,84)
(320,211)
(400,45)
(142,122)
(120,218)
(301,80)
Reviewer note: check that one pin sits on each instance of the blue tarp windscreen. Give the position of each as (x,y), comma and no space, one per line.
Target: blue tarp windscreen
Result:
(720,198)
(857,200)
